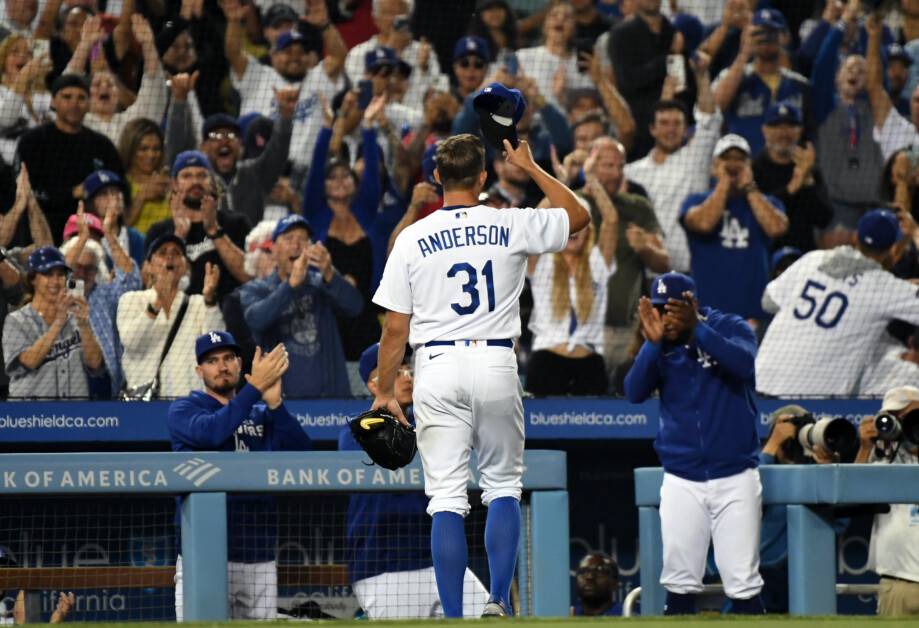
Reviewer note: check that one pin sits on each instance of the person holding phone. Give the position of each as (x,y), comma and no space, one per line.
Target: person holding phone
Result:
(296,305)
(49,346)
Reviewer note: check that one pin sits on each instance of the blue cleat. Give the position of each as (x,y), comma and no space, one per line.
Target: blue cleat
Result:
(496,607)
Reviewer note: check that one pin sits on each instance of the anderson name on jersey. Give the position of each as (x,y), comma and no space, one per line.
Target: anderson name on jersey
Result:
(460,271)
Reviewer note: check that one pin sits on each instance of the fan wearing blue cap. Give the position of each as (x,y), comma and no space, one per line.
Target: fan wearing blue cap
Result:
(227,416)
(832,308)
(216,236)
(103,192)
(297,305)
(899,62)
(700,361)
(787,171)
(471,58)
(49,344)
(761,80)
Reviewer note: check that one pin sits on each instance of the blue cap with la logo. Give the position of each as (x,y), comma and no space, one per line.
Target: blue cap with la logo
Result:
(671,286)
(214,340)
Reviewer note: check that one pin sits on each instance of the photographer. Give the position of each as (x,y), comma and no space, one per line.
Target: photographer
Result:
(783,447)
(894,550)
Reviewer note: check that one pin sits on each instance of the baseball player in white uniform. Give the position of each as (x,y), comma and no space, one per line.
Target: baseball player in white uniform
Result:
(833,308)
(451,288)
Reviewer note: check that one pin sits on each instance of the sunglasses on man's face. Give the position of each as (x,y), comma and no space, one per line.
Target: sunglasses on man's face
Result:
(476,62)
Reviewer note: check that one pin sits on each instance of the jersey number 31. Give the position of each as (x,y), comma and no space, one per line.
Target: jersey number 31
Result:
(471,288)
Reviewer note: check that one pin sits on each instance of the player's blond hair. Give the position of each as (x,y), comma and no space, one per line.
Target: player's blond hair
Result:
(460,160)
(583,282)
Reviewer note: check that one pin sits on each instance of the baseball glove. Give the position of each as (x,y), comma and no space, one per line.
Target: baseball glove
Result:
(388,443)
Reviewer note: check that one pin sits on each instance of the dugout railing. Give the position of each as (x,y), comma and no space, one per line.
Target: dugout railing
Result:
(206,478)
(810,493)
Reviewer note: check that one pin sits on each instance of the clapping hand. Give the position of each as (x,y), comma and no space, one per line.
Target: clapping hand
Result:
(319,256)
(211,280)
(652,327)
(266,374)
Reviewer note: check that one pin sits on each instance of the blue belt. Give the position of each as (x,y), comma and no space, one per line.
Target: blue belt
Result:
(451,343)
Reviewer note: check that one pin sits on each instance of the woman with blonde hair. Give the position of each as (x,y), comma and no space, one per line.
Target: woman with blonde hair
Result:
(569,307)
(24,98)
(141,147)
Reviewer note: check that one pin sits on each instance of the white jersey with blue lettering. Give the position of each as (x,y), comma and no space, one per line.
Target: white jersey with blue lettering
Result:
(833,307)
(459,272)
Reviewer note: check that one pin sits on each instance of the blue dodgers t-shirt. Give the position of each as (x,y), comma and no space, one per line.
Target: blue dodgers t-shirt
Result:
(730,264)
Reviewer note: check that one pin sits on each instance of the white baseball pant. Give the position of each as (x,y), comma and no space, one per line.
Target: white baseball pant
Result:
(413,595)
(468,395)
(252,591)
(726,511)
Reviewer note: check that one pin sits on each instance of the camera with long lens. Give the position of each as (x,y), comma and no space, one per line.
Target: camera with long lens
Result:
(893,428)
(834,435)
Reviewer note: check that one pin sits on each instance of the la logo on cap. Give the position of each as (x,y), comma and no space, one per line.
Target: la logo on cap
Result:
(471,44)
(214,338)
(487,89)
(783,110)
(103,177)
(661,288)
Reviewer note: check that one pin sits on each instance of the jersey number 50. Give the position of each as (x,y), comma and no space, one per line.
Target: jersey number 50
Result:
(831,309)
(472,289)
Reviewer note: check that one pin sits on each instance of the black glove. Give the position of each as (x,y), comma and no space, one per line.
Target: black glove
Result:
(388,443)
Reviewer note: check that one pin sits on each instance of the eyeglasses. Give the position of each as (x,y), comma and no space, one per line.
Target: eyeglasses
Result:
(217,135)
(402,372)
(598,571)
(476,62)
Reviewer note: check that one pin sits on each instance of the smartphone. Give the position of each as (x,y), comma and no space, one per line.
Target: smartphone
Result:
(912,153)
(41,47)
(510,62)
(75,288)
(366,93)
(677,69)
(585,46)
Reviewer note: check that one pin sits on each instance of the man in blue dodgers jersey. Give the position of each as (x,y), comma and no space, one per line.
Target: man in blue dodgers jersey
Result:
(730,230)
(701,361)
(221,419)
(451,287)
(388,544)
(744,90)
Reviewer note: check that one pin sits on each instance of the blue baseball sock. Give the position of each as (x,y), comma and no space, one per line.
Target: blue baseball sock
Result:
(448,547)
(680,604)
(752,606)
(502,536)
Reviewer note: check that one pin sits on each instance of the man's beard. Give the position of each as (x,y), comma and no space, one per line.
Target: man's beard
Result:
(194,203)
(293,78)
(598,596)
(224,389)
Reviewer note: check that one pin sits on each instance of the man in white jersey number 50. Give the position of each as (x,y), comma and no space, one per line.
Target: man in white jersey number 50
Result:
(451,287)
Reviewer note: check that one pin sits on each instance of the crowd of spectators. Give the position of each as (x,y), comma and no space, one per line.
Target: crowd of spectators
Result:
(247,165)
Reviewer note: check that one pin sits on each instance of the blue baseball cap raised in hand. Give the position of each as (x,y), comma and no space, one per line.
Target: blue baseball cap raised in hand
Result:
(500,109)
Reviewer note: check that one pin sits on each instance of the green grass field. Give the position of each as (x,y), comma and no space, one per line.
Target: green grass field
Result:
(639,622)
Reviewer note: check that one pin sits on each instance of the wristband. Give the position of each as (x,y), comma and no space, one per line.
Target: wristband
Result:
(152,310)
(750,187)
(209,303)
(217,234)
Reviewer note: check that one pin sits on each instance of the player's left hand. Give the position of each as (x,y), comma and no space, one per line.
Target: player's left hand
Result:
(684,311)
(389,402)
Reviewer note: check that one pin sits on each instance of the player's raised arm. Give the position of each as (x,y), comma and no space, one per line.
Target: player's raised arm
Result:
(556,191)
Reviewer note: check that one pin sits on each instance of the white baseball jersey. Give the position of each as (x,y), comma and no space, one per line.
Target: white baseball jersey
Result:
(460,271)
(833,307)
(255,90)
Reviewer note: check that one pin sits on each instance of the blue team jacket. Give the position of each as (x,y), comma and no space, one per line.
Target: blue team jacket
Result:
(387,532)
(708,414)
(199,422)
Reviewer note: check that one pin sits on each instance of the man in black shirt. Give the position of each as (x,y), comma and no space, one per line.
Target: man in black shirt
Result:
(61,154)
(211,236)
(786,171)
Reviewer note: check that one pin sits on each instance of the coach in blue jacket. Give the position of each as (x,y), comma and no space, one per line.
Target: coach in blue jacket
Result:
(701,361)
(221,419)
